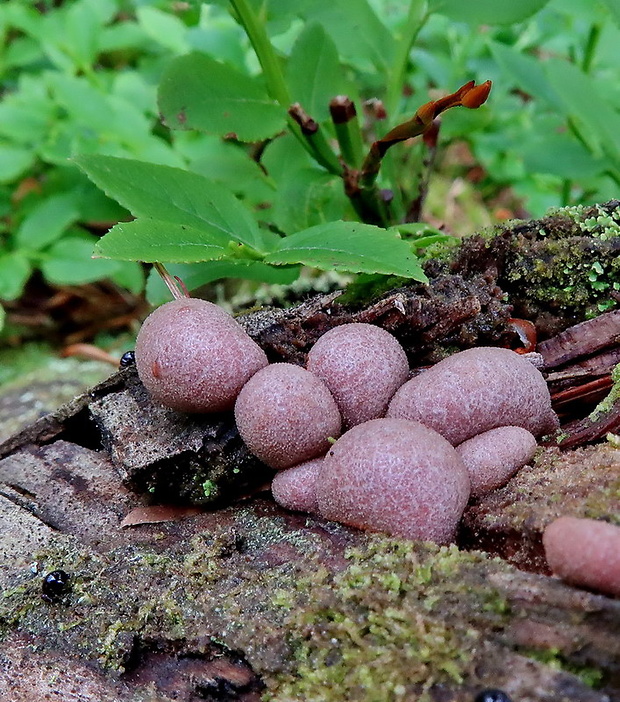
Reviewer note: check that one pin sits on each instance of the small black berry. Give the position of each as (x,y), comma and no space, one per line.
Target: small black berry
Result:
(54,585)
(127,359)
(492,696)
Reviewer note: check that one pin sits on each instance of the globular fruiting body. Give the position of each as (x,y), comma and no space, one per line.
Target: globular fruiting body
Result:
(295,488)
(474,391)
(584,552)
(193,356)
(363,366)
(493,457)
(395,476)
(286,415)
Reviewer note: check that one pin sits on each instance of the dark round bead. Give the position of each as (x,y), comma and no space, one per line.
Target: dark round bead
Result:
(492,696)
(54,585)
(127,359)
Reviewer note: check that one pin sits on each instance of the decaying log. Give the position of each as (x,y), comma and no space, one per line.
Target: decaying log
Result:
(249,600)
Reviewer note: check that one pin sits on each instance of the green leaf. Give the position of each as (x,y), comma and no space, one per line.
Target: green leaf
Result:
(23,120)
(151,240)
(314,73)
(47,221)
(196,275)
(307,197)
(86,105)
(350,247)
(356,30)
(14,161)
(228,164)
(598,121)
(164,28)
(198,92)
(129,275)
(174,195)
(15,269)
(560,154)
(614,8)
(69,262)
(80,39)
(527,73)
(487,11)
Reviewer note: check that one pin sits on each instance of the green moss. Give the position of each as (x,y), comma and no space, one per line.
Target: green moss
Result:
(578,265)
(553,658)
(377,631)
(612,397)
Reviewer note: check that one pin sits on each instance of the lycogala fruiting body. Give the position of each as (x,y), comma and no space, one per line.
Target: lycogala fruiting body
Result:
(395,476)
(295,488)
(494,456)
(363,366)
(286,415)
(193,356)
(584,552)
(474,391)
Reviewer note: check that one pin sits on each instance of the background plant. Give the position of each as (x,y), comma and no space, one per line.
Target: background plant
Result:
(81,79)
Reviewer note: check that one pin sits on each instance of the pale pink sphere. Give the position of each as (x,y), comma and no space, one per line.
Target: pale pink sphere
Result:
(295,488)
(494,456)
(474,391)
(394,476)
(363,366)
(286,415)
(193,356)
(584,552)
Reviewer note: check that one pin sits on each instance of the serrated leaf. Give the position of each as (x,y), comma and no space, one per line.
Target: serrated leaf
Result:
(314,73)
(350,247)
(487,11)
(198,92)
(175,195)
(151,240)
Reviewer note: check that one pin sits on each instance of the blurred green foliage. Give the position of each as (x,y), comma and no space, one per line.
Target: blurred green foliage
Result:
(81,77)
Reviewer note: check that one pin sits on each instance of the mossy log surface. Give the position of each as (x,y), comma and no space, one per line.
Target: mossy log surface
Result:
(249,602)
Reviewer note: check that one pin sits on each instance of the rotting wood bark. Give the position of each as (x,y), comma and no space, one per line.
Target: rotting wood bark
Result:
(221,604)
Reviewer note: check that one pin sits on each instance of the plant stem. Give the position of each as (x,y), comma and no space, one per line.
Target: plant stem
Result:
(590,49)
(175,285)
(416,18)
(348,132)
(277,88)
(272,71)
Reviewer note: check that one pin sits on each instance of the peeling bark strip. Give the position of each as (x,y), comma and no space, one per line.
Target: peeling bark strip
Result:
(584,339)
